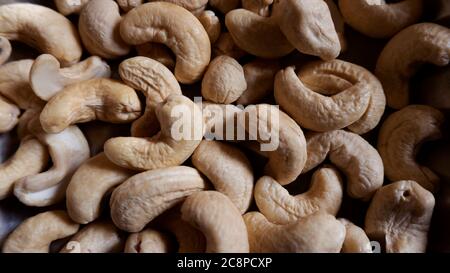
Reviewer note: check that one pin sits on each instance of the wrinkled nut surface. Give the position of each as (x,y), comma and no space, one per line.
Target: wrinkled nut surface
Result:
(36,233)
(148,241)
(211,24)
(218,219)
(260,7)
(9,115)
(5,50)
(67,7)
(144,196)
(356,240)
(400,138)
(400,215)
(157,52)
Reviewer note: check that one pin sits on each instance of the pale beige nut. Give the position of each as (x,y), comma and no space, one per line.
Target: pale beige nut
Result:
(353,155)
(90,184)
(224,6)
(99,27)
(194,6)
(356,240)
(380,18)
(226,46)
(260,7)
(218,219)
(211,23)
(9,115)
(399,216)
(279,207)
(157,52)
(68,7)
(127,5)
(96,99)
(402,56)
(317,233)
(35,234)
(30,23)
(400,138)
(5,50)
(148,241)
(175,27)
(144,196)
(48,78)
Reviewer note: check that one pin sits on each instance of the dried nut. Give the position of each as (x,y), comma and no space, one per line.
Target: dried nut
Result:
(148,241)
(339,23)
(9,115)
(36,233)
(260,7)
(224,80)
(226,46)
(400,215)
(96,99)
(48,78)
(157,52)
(175,27)
(5,50)
(308,26)
(68,7)
(218,219)
(353,155)
(127,5)
(211,24)
(401,136)
(30,23)
(89,185)
(317,233)
(279,207)
(420,43)
(380,19)
(356,240)
(169,147)
(194,6)
(156,82)
(220,120)
(99,29)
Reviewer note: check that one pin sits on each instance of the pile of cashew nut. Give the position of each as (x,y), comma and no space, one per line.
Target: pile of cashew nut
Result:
(87,145)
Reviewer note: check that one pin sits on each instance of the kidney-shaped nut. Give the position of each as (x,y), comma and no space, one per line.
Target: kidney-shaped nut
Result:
(356,240)
(399,216)
(175,27)
(31,23)
(37,233)
(378,19)
(211,24)
(148,241)
(260,7)
(400,138)
(218,219)
(5,50)
(9,115)
(194,6)
(401,57)
(96,99)
(317,233)
(157,52)
(68,7)
(48,78)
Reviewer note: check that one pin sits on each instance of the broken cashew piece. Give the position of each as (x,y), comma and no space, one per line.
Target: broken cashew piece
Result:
(260,7)
(9,115)
(5,50)
(356,240)
(68,7)
(148,241)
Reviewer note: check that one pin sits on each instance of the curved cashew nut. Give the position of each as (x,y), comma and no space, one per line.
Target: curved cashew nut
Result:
(9,115)
(194,6)
(400,215)
(420,43)
(400,137)
(30,23)
(260,7)
(378,19)
(175,27)
(352,154)
(218,219)
(148,241)
(318,233)
(169,147)
(157,52)
(211,24)
(48,78)
(279,207)
(68,7)
(5,50)
(356,240)
(224,6)
(144,196)
(225,45)
(36,233)
(90,184)
(127,5)
(101,99)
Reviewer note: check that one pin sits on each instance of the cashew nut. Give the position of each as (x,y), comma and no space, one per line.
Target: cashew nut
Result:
(224,6)
(211,24)
(194,6)
(9,115)
(226,46)
(356,240)
(5,50)
(260,7)
(157,52)
(68,7)
(148,241)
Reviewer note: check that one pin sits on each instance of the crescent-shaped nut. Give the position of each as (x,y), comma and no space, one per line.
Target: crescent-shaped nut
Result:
(401,136)
(9,115)
(258,35)
(5,50)
(194,6)
(400,215)
(353,155)
(317,233)
(175,27)
(260,7)
(356,240)
(30,23)
(144,196)
(36,233)
(97,99)
(148,241)
(279,207)
(68,7)
(380,18)
(90,184)
(398,62)
(218,219)
(48,78)
(211,23)
(157,52)
(181,132)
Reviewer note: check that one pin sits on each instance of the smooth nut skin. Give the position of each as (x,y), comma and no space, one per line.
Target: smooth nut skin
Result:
(356,240)
(194,6)
(157,52)
(260,7)
(67,7)
(9,115)
(218,219)
(279,207)
(35,234)
(5,50)
(400,215)
(144,196)
(224,80)
(353,155)
(211,24)
(96,99)
(317,233)
(30,23)
(400,138)
(148,241)
(99,24)
(175,27)
(378,19)
(401,57)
